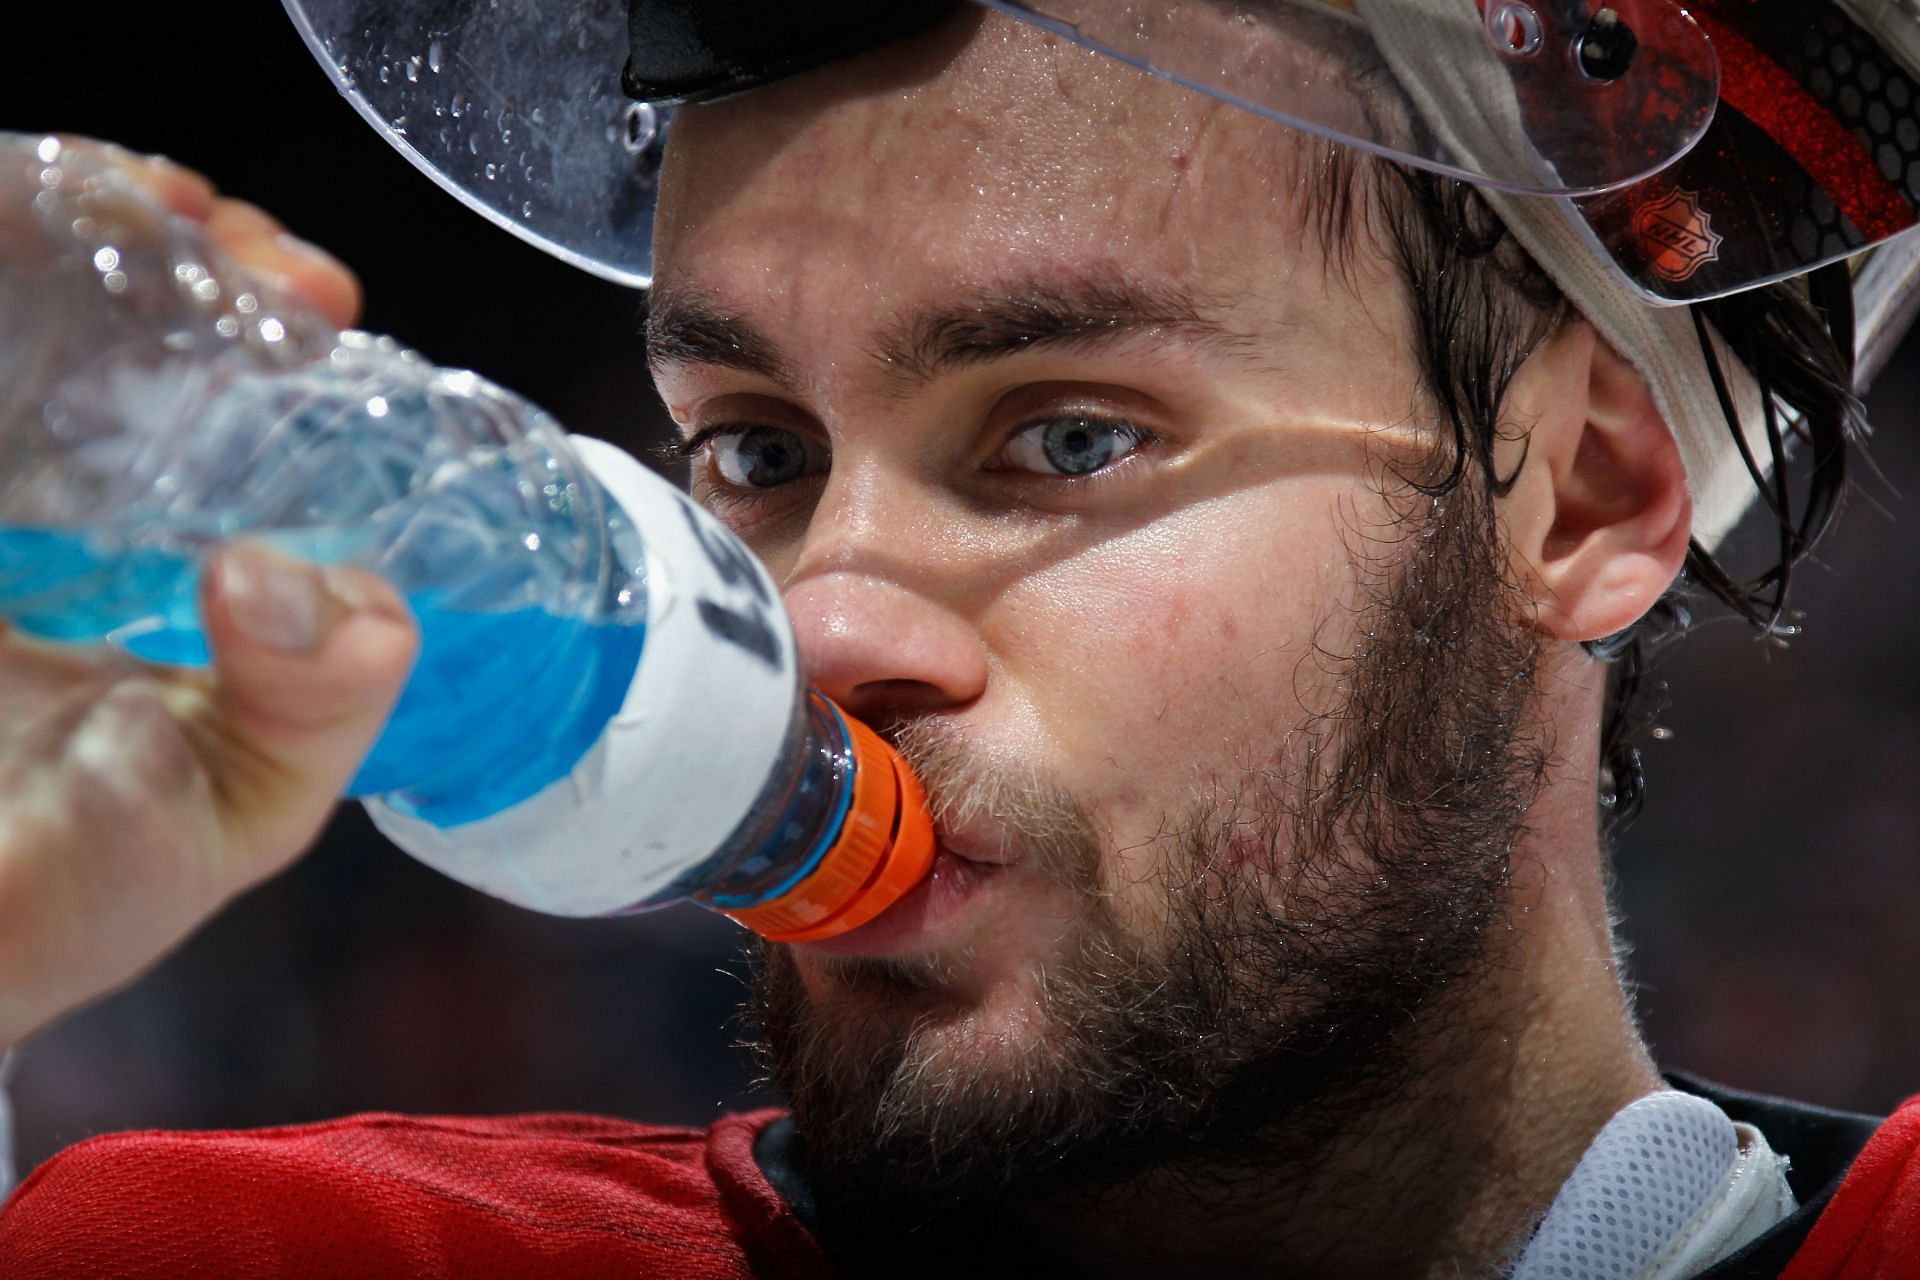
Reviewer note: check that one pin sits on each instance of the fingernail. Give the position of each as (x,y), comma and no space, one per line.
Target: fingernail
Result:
(274,601)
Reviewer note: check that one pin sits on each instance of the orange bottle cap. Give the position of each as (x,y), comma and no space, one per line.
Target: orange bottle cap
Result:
(885,848)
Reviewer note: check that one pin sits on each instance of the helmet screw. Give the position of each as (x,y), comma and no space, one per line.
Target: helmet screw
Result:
(1607,47)
(640,126)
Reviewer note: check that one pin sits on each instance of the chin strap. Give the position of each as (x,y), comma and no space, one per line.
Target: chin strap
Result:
(690,51)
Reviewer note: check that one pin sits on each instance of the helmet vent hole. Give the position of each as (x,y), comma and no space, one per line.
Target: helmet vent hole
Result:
(1513,29)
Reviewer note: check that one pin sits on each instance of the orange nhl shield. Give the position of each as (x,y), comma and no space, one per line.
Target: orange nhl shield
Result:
(1675,235)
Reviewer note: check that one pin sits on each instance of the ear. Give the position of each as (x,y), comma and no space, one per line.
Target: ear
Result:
(1598,517)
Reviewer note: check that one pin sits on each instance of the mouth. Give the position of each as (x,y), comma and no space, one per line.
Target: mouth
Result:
(929,913)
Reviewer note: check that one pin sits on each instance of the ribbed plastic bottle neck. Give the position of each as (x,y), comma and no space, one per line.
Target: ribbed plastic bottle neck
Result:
(798,817)
(849,837)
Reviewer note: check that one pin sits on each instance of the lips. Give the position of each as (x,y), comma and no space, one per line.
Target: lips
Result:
(916,921)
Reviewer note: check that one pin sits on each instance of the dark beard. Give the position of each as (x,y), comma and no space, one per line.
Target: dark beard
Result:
(1324,914)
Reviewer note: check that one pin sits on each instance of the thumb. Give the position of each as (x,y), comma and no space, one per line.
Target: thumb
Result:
(308,663)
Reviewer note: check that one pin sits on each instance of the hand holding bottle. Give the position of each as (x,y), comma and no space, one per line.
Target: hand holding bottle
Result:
(135,800)
(161,399)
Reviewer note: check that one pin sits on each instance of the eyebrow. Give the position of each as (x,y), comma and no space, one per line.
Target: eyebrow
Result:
(1088,311)
(692,328)
(1083,312)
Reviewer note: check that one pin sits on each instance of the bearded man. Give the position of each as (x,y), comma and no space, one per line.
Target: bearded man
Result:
(1249,542)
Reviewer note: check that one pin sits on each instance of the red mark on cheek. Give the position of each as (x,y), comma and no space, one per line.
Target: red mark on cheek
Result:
(1178,159)
(1160,626)
(1248,847)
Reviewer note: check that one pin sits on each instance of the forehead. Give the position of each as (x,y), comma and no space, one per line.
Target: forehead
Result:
(988,150)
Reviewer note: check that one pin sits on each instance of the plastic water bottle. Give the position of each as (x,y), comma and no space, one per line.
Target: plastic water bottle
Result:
(606,715)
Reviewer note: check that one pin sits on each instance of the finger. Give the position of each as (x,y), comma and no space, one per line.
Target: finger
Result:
(245,231)
(308,663)
(258,240)
(185,192)
(35,673)
(111,847)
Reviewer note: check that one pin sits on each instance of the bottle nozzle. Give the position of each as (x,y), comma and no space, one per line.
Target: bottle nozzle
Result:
(885,848)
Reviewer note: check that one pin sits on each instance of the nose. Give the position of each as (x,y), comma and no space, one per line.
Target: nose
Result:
(877,598)
(883,649)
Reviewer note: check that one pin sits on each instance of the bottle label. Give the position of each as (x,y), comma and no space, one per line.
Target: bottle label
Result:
(704,724)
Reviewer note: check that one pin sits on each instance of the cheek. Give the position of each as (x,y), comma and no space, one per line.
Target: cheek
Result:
(1165,660)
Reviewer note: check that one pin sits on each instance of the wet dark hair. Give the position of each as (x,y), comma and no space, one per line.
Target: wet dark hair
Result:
(1480,305)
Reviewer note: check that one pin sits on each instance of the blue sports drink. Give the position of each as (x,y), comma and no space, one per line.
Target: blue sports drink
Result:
(452,752)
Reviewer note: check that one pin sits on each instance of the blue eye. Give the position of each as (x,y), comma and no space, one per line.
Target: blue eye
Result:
(1076,445)
(764,457)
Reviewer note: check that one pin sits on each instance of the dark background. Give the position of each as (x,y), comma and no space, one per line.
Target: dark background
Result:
(1771,890)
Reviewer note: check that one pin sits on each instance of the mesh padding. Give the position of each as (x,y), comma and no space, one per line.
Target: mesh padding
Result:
(1654,1167)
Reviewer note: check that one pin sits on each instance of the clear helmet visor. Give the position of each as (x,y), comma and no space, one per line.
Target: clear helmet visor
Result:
(1708,150)
(1539,97)
(515,107)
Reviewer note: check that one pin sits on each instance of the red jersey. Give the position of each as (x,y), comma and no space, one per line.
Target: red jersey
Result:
(387,1197)
(1870,1230)
(411,1198)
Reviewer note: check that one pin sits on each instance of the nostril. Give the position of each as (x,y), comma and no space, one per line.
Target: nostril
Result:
(890,702)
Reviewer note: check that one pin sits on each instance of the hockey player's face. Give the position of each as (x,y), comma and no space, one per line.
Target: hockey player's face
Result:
(1081,457)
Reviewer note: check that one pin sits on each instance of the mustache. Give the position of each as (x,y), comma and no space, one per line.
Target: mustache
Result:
(976,790)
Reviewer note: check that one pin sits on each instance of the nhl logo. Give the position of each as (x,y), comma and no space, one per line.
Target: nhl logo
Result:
(1674,234)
